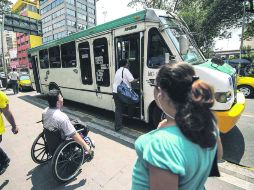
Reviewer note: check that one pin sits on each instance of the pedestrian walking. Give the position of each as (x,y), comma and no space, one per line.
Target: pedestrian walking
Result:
(122,74)
(14,76)
(178,154)
(4,107)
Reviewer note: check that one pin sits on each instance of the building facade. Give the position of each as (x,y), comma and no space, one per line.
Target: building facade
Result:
(30,9)
(63,17)
(10,48)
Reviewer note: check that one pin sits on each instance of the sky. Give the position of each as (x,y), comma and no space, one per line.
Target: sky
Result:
(108,10)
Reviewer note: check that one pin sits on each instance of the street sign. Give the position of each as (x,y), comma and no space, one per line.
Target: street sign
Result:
(16,23)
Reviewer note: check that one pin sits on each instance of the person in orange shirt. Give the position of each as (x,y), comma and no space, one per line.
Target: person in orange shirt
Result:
(4,108)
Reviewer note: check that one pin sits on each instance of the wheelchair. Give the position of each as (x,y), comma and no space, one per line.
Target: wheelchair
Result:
(66,156)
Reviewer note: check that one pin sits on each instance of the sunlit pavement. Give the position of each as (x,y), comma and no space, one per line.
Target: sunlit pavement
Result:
(110,169)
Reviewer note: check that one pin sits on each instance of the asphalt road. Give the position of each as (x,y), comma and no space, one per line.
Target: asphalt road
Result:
(238,144)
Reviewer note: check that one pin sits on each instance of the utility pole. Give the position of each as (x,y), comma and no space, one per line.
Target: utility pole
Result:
(2,43)
(243,24)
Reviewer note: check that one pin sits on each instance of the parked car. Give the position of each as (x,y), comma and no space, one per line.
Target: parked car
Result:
(25,83)
(246,85)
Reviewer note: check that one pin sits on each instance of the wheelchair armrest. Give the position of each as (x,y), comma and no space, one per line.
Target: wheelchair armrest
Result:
(82,129)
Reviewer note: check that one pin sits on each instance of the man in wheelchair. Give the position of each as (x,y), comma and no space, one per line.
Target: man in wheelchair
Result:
(54,119)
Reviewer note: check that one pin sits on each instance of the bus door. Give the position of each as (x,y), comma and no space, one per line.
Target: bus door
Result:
(101,59)
(36,78)
(131,48)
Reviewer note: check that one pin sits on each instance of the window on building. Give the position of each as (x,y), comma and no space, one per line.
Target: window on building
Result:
(54,57)
(68,53)
(44,61)
(81,6)
(51,6)
(91,20)
(91,10)
(59,35)
(58,13)
(100,47)
(71,2)
(81,16)
(85,63)
(71,12)
(91,1)
(59,24)
(71,23)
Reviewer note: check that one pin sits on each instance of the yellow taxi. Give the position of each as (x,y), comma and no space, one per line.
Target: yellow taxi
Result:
(25,83)
(246,85)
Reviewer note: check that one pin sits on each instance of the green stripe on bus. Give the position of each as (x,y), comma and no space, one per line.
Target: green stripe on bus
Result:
(133,18)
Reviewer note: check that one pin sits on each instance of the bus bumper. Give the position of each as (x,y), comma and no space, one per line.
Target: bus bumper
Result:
(227,119)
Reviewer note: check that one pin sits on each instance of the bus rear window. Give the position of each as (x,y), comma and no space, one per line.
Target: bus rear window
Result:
(44,61)
(54,57)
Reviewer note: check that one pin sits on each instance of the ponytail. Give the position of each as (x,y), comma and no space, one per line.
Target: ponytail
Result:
(192,99)
(195,118)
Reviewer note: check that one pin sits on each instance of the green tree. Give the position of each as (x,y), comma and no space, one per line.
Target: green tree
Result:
(206,19)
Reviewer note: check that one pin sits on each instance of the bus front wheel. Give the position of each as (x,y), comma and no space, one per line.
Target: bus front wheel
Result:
(157,116)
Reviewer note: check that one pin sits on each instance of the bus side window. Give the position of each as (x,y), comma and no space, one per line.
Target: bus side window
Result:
(44,61)
(68,53)
(157,48)
(100,48)
(85,63)
(54,57)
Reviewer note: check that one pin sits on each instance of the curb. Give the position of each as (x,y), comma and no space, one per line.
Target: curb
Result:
(237,171)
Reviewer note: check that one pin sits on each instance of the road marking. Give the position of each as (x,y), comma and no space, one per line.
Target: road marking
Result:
(236,181)
(248,115)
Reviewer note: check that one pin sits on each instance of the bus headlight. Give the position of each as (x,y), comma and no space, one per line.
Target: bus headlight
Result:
(223,97)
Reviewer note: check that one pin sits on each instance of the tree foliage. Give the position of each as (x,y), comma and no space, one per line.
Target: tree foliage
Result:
(5,5)
(206,19)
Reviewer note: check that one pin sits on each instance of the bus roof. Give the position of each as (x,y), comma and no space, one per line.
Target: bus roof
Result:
(144,15)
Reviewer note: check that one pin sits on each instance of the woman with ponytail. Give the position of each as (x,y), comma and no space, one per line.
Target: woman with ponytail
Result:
(178,154)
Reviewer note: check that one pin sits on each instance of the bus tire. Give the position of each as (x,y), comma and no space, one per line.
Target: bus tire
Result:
(157,116)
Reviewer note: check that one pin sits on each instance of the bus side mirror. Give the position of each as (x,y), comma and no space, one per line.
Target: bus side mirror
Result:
(184,44)
(217,61)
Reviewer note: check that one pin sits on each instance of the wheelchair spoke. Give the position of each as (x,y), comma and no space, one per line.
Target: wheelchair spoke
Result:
(40,144)
(77,163)
(43,155)
(39,149)
(40,153)
(62,161)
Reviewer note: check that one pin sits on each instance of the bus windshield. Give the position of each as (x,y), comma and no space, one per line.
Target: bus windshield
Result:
(186,47)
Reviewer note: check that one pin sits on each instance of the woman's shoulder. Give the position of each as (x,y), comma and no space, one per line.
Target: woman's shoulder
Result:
(163,135)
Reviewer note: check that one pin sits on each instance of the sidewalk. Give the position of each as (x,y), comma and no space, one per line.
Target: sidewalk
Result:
(110,169)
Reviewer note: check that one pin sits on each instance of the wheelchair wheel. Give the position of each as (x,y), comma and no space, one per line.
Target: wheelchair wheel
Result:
(67,160)
(39,150)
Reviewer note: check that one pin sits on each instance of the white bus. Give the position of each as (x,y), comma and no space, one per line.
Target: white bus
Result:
(83,64)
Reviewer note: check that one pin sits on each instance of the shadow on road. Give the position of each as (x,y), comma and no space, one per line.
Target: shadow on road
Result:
(42,179)
(233,149)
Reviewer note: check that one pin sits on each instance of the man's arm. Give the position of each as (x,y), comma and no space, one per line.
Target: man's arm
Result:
(8,115)
(76,137)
